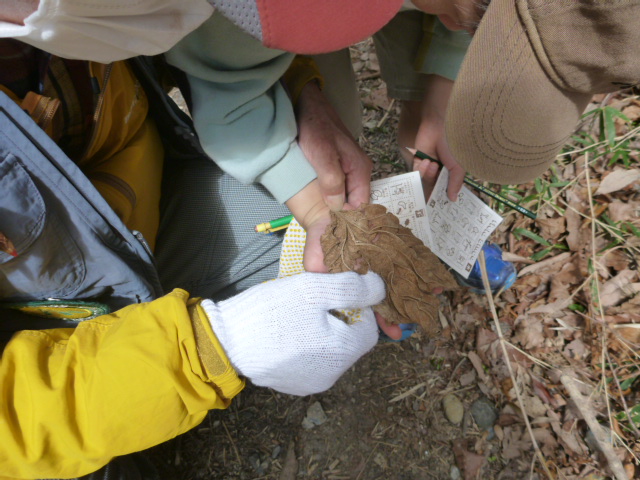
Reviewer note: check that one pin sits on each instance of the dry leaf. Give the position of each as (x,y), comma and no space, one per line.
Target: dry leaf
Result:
(552,228)
(617,180)
(469,377)
(551,308)
(632,112)
(576,349)
(574,222)
(629,334)
(563,257)
(569,439)
(530,332)
(546,440)
(516,443)
(377,98)
(370,238)
(6,245)
(624,211)
(617,259)
(616,289)
(541,390)
(470,463)
(513,258)
(561,282)
(533,406)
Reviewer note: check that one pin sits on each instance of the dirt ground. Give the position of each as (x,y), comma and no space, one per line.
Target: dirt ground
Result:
(384,419)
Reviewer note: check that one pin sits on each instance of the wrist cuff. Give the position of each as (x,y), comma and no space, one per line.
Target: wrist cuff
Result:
(301,71)
(212,355)
(295,168)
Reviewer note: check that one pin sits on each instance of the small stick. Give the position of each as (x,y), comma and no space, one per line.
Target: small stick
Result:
(233,444)
(386,114)
(583,404)
(492,307)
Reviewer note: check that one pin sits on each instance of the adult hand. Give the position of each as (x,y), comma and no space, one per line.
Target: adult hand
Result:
(281,334)
(343,168)
(430,138)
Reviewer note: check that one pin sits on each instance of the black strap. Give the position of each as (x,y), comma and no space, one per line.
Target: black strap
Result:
(175,126)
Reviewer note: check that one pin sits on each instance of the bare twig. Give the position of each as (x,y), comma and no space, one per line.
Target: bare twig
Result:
(368,76)
(408,392)
(233,444)
(529,356)
(596,285)
(584,405)
(367,461)
(487,288)
(386,113)
(455,370)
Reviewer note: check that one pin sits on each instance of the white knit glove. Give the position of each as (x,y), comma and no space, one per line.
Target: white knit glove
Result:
(280,334)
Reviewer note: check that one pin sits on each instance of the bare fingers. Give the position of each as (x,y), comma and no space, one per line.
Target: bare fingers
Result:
(428,173)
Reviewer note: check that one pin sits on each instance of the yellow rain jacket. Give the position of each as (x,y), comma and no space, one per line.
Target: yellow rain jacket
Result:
(72,399)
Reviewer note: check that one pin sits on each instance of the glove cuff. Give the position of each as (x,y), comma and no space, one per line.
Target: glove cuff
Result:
(217,325)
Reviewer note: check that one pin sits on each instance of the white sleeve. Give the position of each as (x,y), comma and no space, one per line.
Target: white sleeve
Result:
(108,30)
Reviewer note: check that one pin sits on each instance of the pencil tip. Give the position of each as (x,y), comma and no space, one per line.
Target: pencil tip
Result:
(412,150)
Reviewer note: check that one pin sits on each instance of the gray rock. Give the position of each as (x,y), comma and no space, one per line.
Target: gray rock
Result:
(315,416)
(455,473)
(484,413)
(276,451)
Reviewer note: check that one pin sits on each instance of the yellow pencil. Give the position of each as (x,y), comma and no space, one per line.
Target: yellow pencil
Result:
(274,224)
(271,230)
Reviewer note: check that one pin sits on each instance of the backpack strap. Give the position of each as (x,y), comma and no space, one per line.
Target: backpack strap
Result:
(175,126)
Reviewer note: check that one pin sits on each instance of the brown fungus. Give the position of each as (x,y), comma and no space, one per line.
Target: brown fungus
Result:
(370,238)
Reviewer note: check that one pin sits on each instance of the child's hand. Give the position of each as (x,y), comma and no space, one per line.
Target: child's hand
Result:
(430,137)
(312,213)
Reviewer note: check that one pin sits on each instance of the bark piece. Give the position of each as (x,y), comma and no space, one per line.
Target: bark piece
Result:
(370,238)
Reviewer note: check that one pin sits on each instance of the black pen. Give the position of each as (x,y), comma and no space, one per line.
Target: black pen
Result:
(478,186)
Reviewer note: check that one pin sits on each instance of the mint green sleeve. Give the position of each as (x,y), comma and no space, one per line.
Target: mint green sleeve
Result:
(241,111)
(442,50)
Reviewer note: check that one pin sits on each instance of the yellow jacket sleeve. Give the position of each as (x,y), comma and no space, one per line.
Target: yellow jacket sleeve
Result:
(72,399)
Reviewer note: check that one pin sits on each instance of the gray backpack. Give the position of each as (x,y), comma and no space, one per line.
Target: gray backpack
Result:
(70,243)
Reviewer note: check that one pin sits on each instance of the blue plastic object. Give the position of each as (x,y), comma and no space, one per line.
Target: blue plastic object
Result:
(502,274)
(408,329)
